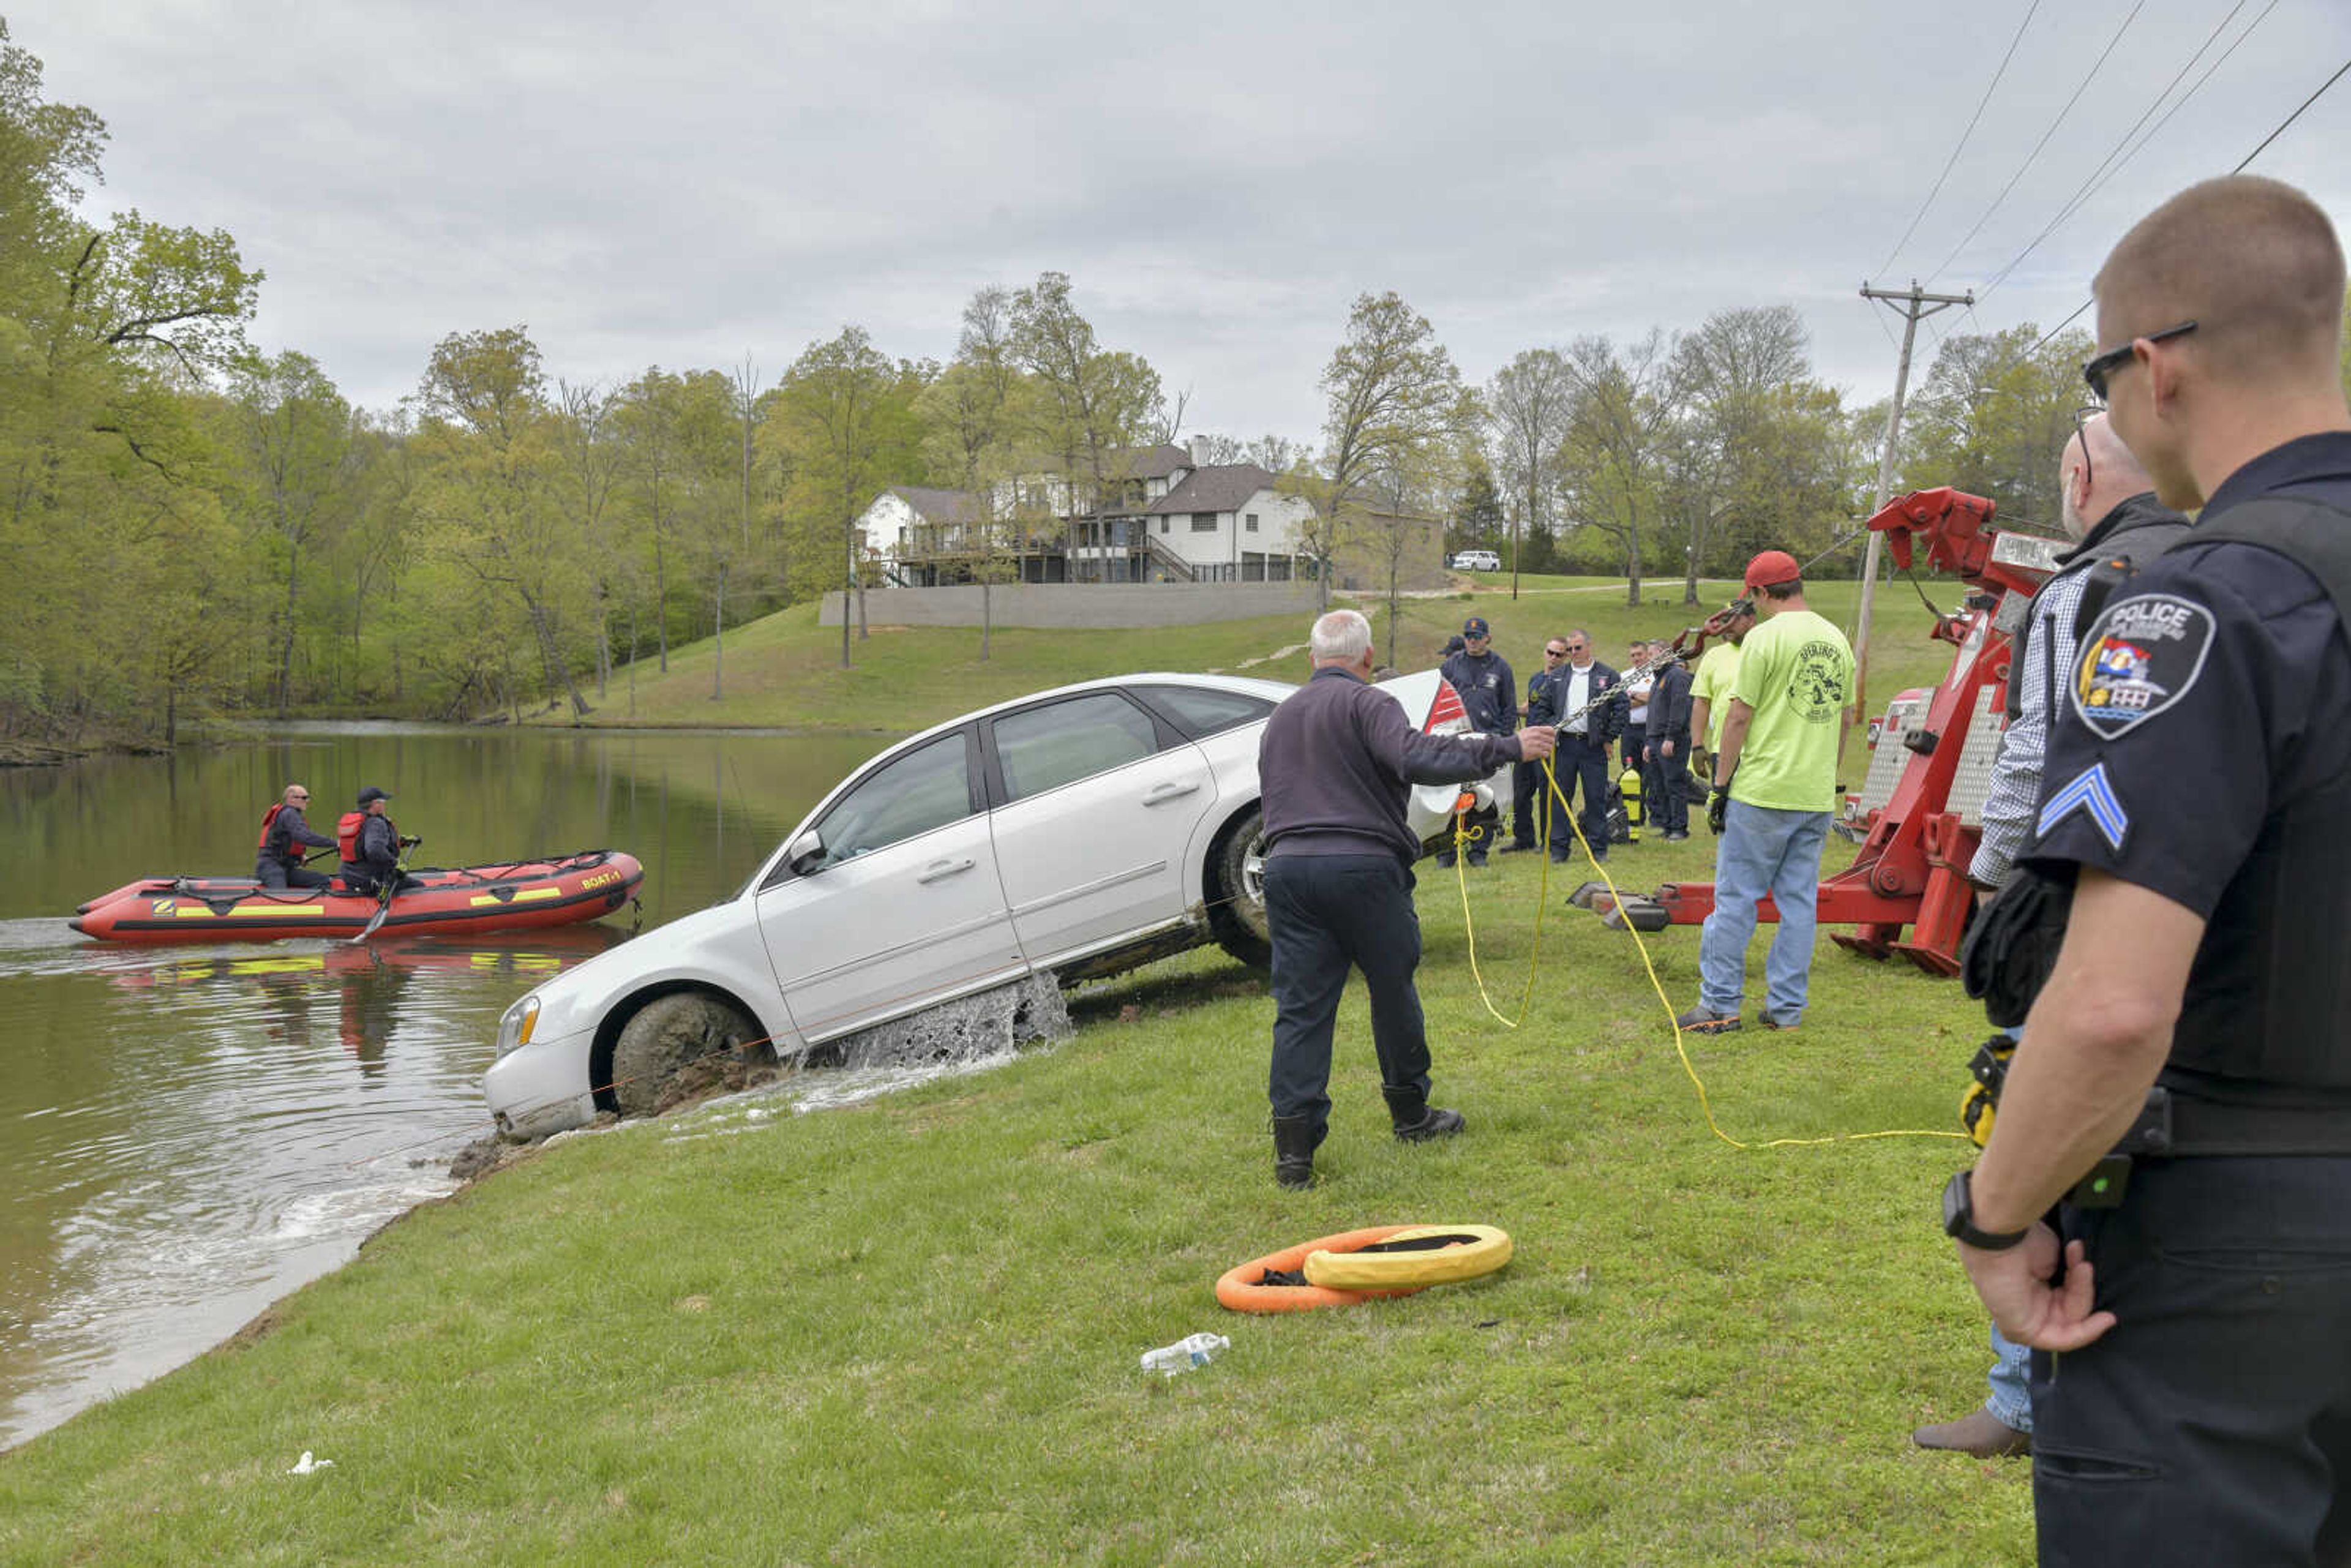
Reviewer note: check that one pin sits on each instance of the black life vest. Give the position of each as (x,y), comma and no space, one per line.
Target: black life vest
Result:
(2269,996)
(269,819)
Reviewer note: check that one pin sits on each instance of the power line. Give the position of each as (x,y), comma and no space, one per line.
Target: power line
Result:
(2290,118)
(1970,131)
(2340,72)
(2083,86)
(2114,161)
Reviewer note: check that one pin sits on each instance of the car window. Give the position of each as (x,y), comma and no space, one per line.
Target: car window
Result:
(1199,711)
(1043,748)
(927,788)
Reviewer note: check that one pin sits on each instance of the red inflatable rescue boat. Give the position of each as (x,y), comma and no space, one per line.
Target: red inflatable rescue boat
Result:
(557,890)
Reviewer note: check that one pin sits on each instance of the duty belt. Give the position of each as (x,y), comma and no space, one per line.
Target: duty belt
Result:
(2172,1127)
(2184,1126)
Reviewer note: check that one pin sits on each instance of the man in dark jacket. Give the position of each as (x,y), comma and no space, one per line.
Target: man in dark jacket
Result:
(1665,758)
(1584,741)
(1527,793)
(1489,696)
(284,836)
(370,845)
(1336,764)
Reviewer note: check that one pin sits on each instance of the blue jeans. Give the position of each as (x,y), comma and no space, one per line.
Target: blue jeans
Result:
(2011,1401)
(1763,851)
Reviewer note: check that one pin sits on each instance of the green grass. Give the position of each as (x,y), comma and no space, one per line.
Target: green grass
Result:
(784,670)
(907,1332)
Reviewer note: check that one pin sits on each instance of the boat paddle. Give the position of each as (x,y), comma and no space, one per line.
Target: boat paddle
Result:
(383,897)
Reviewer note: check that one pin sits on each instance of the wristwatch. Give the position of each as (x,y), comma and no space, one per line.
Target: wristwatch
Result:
(1959,1219)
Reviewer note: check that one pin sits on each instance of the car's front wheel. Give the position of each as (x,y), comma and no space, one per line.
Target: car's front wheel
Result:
(1237,914)
(668,1035)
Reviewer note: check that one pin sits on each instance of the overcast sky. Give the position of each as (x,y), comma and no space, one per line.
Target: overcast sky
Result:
(684,183)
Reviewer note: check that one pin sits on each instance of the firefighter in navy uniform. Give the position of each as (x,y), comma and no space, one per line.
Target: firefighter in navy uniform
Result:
(1528,792)
(1489,696)
(284,836)
(2182,1094)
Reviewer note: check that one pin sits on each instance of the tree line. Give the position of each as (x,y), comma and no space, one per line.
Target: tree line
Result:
(196,527)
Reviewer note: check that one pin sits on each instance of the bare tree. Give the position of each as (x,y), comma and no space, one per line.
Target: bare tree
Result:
(1527,406)
(1613,457)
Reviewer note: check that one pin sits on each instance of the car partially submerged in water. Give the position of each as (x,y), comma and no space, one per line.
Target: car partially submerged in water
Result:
(1077,831)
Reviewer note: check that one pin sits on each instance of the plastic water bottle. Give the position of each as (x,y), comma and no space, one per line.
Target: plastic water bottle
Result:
(1193,1350)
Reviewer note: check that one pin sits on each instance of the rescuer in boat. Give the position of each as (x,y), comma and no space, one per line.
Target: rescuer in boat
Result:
(370,846)
(284,836)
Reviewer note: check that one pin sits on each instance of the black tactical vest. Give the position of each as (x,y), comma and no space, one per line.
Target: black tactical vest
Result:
(2269,996)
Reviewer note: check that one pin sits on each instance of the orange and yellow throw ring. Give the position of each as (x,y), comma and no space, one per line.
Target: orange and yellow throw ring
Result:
(1359,1265)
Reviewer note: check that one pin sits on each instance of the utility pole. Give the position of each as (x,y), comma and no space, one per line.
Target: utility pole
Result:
(1915,306)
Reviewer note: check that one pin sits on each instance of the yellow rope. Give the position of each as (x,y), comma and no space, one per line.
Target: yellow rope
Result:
(1706,1106)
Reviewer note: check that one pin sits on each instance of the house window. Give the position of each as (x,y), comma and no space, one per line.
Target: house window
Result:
(1252,522)
(1203,522)
(1163,525)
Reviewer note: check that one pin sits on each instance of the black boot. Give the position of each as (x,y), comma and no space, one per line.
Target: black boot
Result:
(1294,1138)
(1416,1121)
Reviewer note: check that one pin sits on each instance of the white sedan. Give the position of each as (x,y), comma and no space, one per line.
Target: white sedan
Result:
(1080,831)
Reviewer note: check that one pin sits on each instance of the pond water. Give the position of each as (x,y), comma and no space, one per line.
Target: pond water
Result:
(187,1133)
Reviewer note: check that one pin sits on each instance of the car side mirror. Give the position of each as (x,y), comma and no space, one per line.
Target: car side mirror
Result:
(806,853)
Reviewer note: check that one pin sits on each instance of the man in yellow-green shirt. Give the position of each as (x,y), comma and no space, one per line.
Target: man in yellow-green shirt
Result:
(1711,683)
(1774,789)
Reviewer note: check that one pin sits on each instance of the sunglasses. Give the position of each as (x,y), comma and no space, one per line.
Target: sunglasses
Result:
(2096,371)
(1555,652)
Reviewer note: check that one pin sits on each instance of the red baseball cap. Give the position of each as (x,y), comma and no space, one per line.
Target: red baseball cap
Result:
(1771,569)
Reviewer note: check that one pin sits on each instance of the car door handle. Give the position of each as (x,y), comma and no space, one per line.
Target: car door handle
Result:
(938,871)
(1161,792)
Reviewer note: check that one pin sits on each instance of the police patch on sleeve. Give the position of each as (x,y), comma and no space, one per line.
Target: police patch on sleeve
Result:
(2142,656)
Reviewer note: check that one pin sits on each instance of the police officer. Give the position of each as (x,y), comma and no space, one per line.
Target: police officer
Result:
(1528,791)
(284,836)
(1490,695)
(2198,795)
(1336,762)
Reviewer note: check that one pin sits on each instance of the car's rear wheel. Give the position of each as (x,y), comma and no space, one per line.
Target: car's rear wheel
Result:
(1237,914)
(667,1035)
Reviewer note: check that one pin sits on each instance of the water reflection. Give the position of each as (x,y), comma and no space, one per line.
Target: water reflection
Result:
(186,1133)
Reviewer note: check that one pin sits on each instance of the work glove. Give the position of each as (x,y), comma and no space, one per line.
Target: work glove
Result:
(410,841)
(1718,809)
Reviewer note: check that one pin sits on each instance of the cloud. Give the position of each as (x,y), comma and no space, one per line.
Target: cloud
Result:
(685,184)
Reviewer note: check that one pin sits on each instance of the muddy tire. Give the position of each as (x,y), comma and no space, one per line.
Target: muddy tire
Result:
(1237,891)
(667,1034)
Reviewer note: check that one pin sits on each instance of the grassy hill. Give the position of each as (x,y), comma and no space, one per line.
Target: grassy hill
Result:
(907,1331)
(783,671)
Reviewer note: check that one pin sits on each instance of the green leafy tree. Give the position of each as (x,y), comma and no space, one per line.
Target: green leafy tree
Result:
(294,446)
(1394,401)
(1093,406)
(108,334)
(1613,460)
(846,411)
(1992,418)
(492,498)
